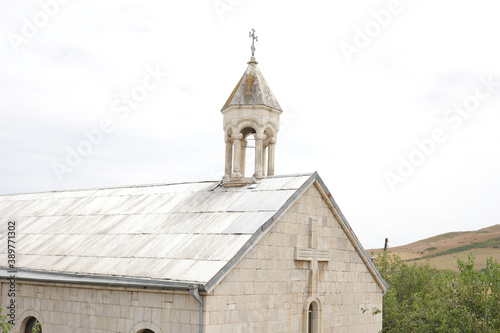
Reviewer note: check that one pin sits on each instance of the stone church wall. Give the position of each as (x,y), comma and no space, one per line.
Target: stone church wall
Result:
(71,309)
(267,290)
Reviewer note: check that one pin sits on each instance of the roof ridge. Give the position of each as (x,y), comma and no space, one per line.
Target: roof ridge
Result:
(147,185)
(113,187)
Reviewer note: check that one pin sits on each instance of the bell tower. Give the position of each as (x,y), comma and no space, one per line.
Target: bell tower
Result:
(251,109)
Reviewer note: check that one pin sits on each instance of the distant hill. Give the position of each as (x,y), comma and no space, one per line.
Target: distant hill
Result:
(441,250)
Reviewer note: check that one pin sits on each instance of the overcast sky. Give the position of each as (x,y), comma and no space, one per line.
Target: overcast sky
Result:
(394,103)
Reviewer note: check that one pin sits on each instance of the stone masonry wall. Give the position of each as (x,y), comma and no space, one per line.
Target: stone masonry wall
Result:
(266,290)
(63,309)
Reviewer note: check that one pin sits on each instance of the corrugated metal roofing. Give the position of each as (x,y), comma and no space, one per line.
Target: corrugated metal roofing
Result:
(178,232)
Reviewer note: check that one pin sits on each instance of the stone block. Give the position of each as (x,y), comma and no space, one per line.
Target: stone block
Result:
(175,316)
(156,315)
(165,315)
(125,298)
(116,311)
(106,296)
(248,288)
(147,314)
(139,314)
(121,325)
(179,301)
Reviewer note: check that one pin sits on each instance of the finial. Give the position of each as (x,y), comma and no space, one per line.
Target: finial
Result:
(251,34)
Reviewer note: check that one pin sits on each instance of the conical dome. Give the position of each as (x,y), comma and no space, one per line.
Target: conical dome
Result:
(252,89)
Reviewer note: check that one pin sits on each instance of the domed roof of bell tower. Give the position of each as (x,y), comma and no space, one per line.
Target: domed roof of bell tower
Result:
(252,89)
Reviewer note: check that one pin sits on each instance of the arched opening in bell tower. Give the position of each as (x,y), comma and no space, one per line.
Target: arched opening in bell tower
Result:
(249,155)
(247,152)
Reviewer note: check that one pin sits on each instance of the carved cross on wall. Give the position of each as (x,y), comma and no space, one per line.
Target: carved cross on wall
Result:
(313,255)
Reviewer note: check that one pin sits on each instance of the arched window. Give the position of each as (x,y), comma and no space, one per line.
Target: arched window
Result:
(33,326)
(146,331)
(312,318)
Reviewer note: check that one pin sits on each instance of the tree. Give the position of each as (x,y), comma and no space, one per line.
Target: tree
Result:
(474,296)
(37,328)
(5,326)
(423,299)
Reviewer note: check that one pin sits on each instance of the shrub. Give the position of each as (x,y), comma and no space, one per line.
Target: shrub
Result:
(5,326)
(423,299)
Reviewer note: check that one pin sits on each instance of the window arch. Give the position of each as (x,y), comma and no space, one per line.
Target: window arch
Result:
(145,327)
(33,326)
(312,316)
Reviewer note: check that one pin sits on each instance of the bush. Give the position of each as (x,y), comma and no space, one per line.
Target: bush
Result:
(5,326)
(423,299)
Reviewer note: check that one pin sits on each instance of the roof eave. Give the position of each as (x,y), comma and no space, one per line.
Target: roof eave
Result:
(100,280)
(253,106)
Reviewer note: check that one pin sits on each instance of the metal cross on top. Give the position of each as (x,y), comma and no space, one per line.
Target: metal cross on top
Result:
(251,34)
(313,255)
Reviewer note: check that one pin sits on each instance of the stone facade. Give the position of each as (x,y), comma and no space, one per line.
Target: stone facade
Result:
(62,308)
(267,290)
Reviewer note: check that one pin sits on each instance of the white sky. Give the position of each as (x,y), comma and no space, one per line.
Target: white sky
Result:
(350,121)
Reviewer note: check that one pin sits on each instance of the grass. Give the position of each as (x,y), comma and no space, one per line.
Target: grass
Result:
(449,235)
(490,243)
(441,251)
(449,261)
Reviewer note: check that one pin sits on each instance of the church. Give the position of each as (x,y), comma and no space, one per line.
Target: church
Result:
(253,252)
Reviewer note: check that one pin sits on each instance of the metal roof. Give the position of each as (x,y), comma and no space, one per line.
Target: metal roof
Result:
(165,236)
(181,232)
